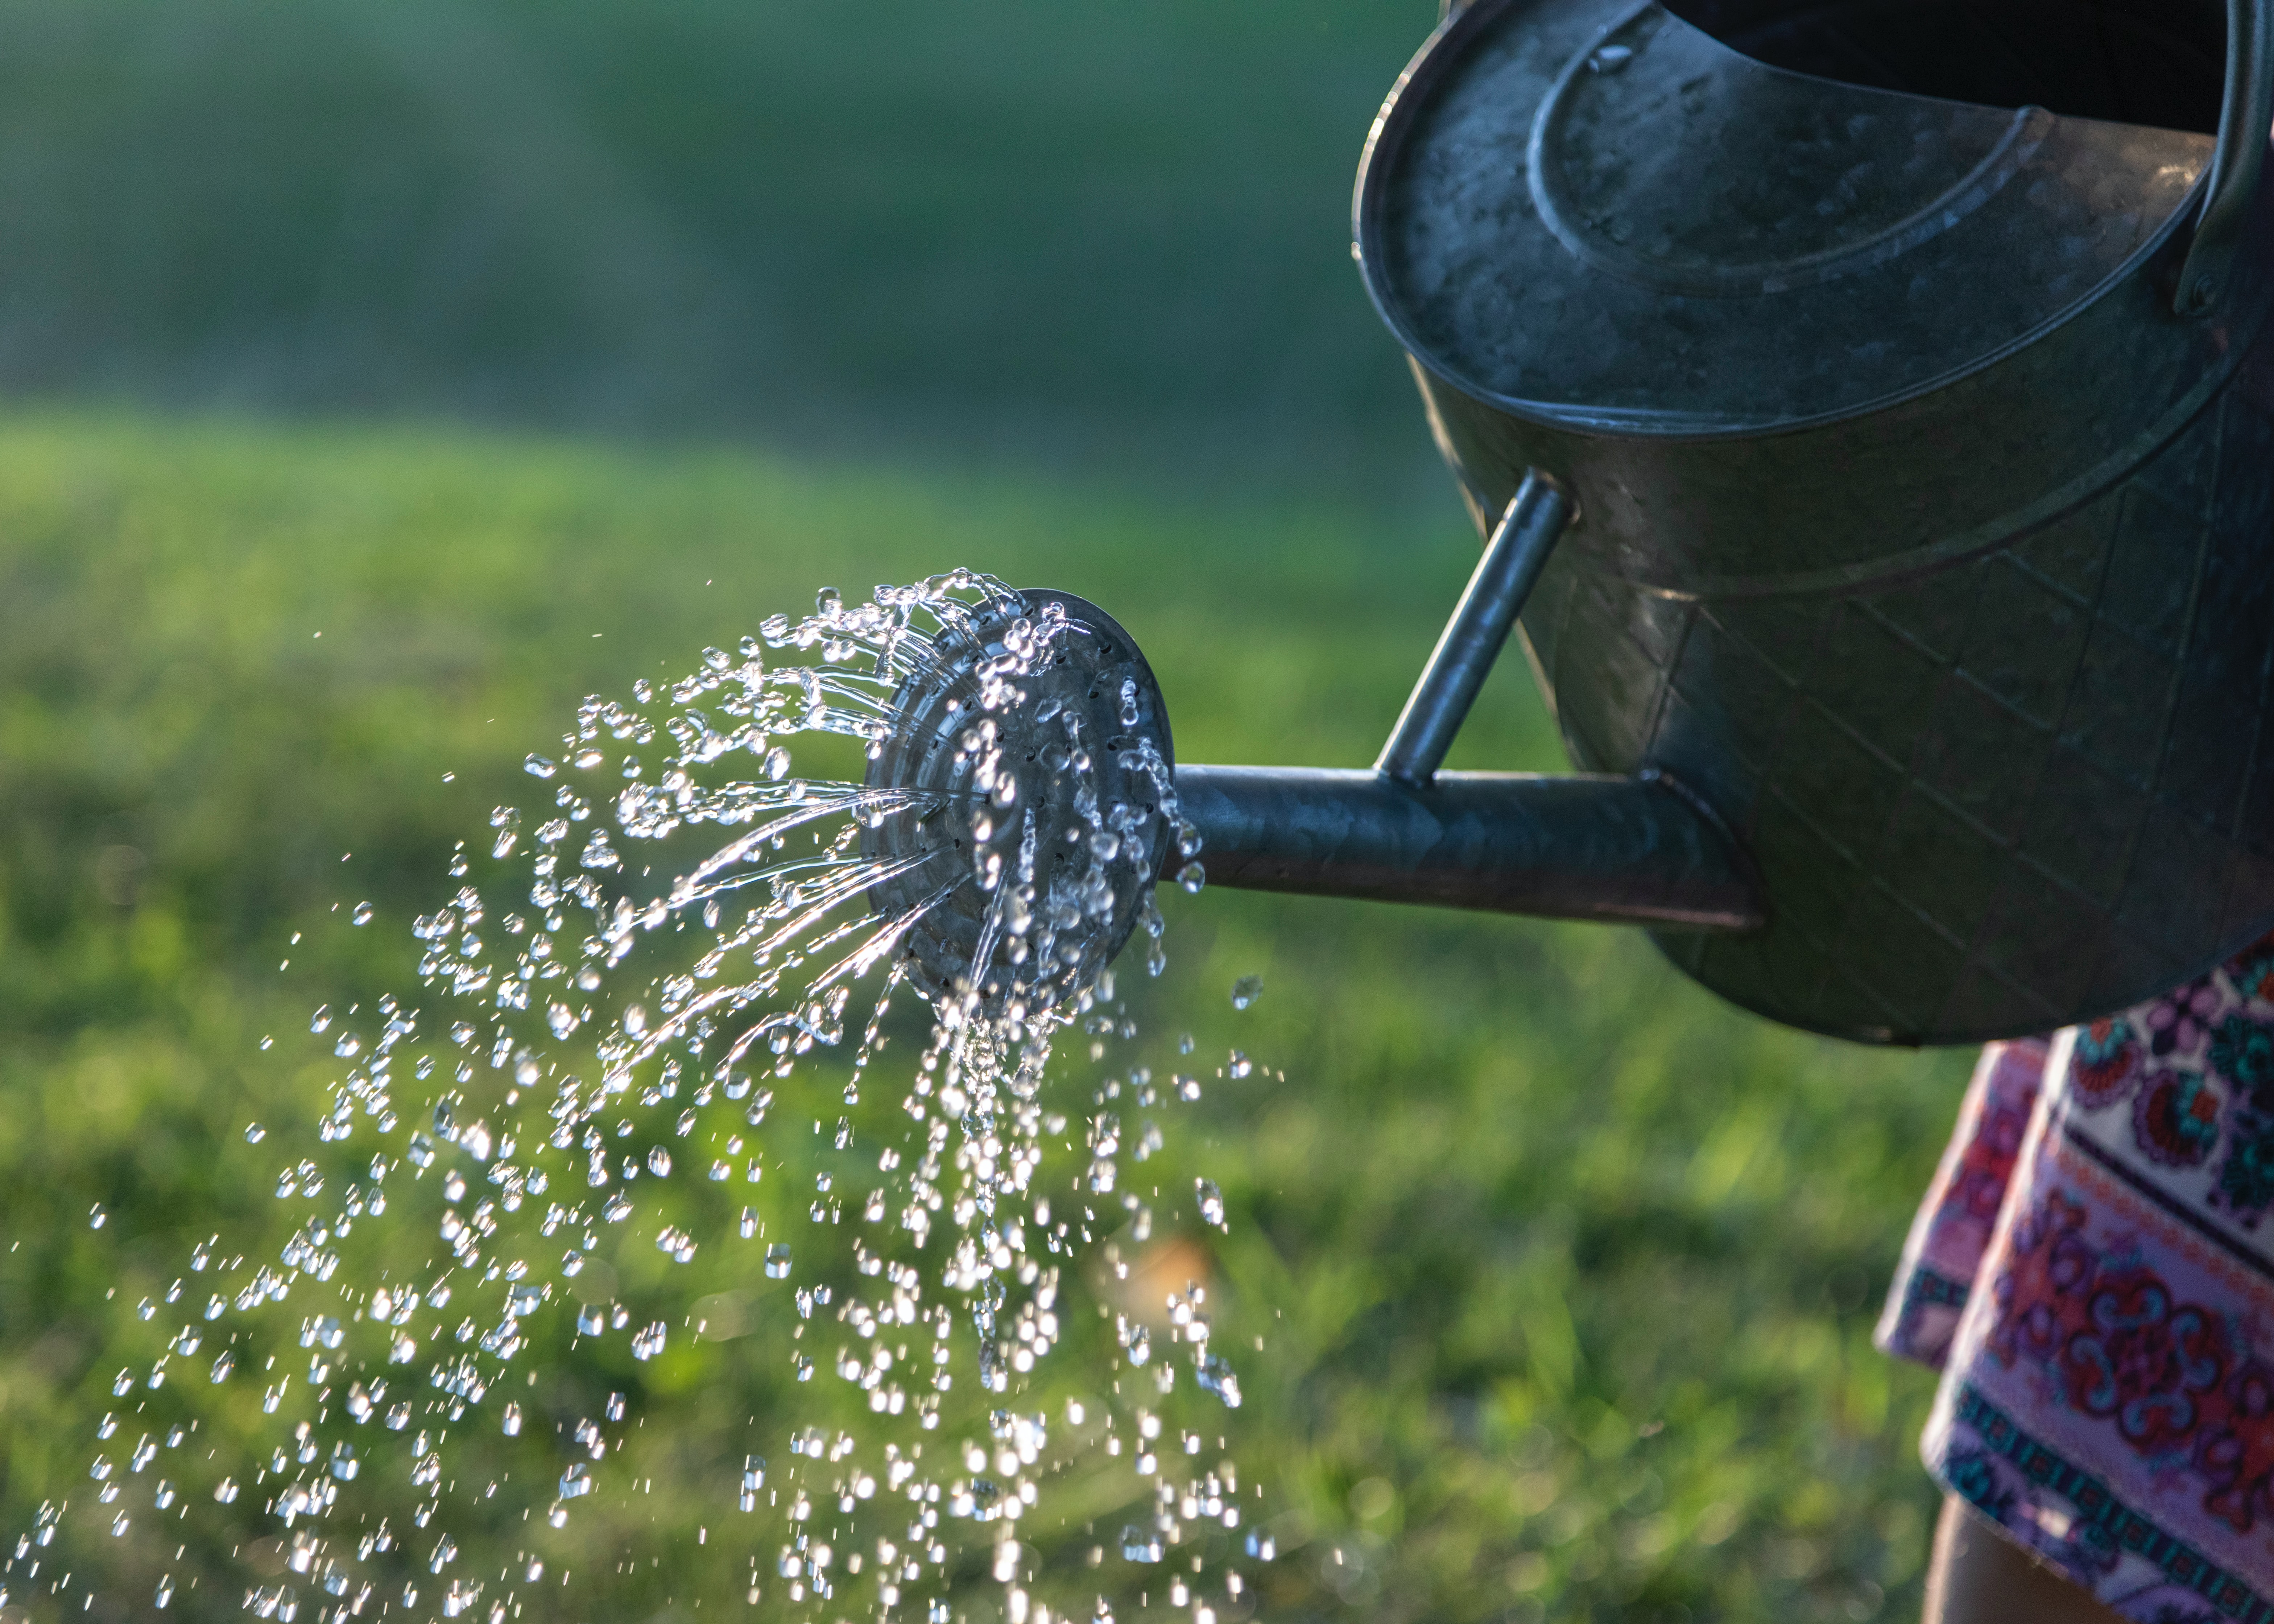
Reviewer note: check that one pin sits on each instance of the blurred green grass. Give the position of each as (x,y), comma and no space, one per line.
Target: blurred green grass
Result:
(1564,1272)
(1109,237)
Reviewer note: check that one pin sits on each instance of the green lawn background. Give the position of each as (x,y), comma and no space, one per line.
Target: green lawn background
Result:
(1109,237)
(448,332)
(1568,1270)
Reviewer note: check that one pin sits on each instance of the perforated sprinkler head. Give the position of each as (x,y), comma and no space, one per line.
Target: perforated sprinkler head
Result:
(1031,767)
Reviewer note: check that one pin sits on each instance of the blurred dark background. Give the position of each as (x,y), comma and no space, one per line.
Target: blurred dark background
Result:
(1113,238)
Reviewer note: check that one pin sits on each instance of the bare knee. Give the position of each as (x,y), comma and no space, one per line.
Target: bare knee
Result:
(1978,1576)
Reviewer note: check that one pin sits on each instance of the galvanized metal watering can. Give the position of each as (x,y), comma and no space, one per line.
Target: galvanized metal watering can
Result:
(1882,479)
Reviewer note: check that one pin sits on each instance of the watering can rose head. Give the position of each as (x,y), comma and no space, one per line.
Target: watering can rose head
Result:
(1028,803)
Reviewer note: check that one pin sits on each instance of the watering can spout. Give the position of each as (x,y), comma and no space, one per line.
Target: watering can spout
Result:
(1061,795)
(1641,850)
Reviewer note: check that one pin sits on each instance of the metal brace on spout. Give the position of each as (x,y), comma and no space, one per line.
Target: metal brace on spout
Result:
(1596,847)
(1473,638)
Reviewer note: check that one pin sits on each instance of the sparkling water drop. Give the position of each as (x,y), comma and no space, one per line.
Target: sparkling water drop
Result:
(540,767)
(362,914)
(1245,990)
(1192,876)
(778,1261)
(1211,1202)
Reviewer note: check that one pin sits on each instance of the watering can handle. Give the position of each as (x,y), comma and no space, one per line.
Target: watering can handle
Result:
(2245,123)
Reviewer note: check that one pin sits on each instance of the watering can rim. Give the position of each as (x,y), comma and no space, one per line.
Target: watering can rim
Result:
(2211,215)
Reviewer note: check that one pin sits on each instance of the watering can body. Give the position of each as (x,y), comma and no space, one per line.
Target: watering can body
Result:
(1921,461)
(1881,481)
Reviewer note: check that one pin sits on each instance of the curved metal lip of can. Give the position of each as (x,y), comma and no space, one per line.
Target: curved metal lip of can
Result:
(1849,270)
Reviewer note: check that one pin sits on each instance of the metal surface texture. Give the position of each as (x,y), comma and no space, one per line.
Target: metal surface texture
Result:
(1090,695)
(1611,849)
(1513,558)
(1922,537)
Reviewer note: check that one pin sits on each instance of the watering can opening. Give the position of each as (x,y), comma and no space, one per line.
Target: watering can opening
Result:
(2159,62)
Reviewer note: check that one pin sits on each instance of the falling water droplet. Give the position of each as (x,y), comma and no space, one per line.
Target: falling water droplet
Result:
(778,1261)
(1192,876)
(362,914)
(1245,990)
(1211,1202)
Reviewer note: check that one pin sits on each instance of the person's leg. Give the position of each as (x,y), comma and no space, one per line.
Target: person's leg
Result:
(1977,1576)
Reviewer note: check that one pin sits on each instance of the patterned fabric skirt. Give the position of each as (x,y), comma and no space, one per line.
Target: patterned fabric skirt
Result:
(2093,1273)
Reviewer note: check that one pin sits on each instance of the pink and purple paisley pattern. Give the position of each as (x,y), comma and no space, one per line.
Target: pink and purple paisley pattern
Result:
(2089,1273)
